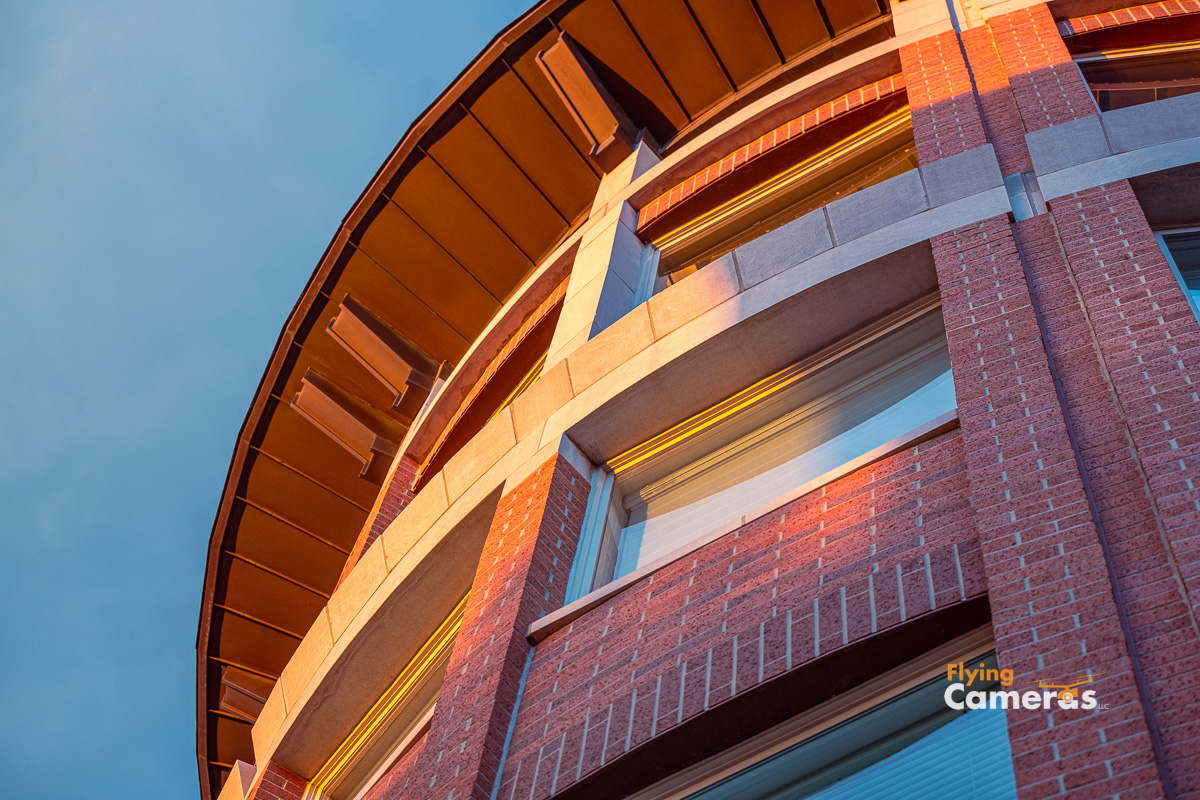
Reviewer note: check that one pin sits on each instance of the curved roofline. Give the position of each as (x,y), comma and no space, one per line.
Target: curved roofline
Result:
(333,251)
(343,242)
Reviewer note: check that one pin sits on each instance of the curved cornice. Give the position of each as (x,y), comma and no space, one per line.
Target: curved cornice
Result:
(481,188)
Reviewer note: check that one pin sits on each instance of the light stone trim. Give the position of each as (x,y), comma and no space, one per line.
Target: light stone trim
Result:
(557,620)
(239,783)
(1115,145)
(811,89)
(368,626)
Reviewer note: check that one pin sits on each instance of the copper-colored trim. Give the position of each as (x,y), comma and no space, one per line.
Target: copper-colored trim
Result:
(338,249)
(337,246)
(523,330)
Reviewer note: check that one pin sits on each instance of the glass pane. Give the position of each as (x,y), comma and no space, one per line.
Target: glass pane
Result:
(848,409)
(1121,81)
(969,758)
(1183,249)
(911,745)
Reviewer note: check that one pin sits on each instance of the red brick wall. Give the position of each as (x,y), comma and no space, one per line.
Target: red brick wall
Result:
(868,553)
(1045,81)
(277,783)
(1005,129)
(522,575)
(1149,340)
(396,498)
(1133,346)
(1053,609)
(945,116)
(1126,343)
(1128,16)
(1053,600)
(396,782)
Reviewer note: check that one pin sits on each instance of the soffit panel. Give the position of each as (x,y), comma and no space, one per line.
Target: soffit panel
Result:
(250,590)
(481,167)
(419,264)
(846,14)
(232,737)
(623,66)
(249,644)
(451,217)
(526,70)
(521,125)
(680,51)
(217,775)
(797,25)
(276,545)
(293,497)
(426,327)
(739,38)
(293,440)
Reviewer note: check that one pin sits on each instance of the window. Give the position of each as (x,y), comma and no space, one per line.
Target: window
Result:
(784,436)
(849,154)
(1182,249)
(395,724)
(1132,76)
(912,745)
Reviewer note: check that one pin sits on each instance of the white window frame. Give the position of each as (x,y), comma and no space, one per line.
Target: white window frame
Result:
(1166,250)
(605,495)
(587,554)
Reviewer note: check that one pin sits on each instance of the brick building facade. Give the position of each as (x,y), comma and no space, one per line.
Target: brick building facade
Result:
(592,569)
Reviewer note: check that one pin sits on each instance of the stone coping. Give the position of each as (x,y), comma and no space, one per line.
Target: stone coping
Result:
(1102,148)
(557,620)
(835,268)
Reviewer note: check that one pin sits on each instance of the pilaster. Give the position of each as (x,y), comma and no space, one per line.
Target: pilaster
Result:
(607,277)
(522,575)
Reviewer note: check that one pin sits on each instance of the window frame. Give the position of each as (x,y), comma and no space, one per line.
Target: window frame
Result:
(606,492)
(1160,237)
(969,647)
(397,721)
(1125,53)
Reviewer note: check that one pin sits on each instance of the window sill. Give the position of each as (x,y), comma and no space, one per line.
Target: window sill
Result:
(557,620)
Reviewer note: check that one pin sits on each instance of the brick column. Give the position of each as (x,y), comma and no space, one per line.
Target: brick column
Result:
(1148,340)
(396,782)
(1054,608)
(1045,82)
(945,117)
(522,574)
(607,272)
(1128,349)
(395,498)
(1002,119)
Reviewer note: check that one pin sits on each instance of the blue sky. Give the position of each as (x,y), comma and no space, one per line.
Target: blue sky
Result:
(171,173)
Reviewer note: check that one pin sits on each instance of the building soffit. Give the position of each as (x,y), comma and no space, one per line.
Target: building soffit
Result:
(300,483)
(753,329)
